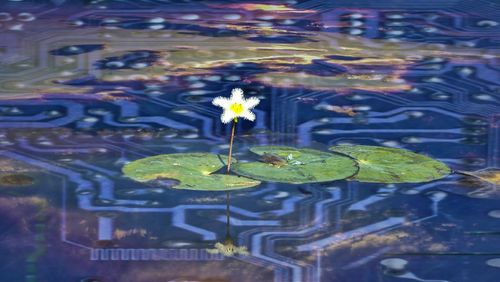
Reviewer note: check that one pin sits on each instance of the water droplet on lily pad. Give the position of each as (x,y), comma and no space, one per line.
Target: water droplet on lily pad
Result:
(392,165)
(192,170)
(294,165)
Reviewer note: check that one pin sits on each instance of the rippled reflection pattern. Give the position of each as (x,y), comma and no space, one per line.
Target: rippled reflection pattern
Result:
(88,86)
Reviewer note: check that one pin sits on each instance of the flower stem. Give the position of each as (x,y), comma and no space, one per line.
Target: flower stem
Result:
(231,147)
(228,222)
(228,228)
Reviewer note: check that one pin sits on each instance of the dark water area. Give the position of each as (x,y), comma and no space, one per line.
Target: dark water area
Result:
(87,87)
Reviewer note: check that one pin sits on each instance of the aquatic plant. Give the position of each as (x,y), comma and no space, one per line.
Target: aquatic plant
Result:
(294,165)
(16,179)
(228,247)
(234,107)
(491,176)
(392,165)
(194,171)
(361,163)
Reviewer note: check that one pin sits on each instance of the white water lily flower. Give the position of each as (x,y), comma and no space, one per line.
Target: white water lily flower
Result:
(236,106)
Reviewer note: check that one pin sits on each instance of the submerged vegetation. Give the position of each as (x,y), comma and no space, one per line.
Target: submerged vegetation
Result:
(491,176)
(16,180)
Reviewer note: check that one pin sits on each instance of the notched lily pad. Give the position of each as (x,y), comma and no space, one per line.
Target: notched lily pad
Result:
(293,165)
(192,170)
(392,165)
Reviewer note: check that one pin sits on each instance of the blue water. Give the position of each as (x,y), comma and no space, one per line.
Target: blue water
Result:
(89,86)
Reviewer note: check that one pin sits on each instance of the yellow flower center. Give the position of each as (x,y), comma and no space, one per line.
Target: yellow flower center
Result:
(236,108)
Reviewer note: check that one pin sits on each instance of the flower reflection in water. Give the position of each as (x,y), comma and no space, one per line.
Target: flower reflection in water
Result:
(228,248)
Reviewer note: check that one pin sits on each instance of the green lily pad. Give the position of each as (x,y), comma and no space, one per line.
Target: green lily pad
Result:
(192,170)
(293,165)
(392,165)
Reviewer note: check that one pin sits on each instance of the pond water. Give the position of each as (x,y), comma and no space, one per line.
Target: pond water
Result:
(89,86)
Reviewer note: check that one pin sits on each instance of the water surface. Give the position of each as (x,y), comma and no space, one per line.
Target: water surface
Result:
(88,86)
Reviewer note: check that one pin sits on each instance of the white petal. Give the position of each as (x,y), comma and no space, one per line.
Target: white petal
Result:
(237,91)
(251,102)
(227,116)
(221,102)
(248,115)
(237,96)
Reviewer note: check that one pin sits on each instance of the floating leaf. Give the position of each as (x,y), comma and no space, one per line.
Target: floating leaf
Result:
(391,165)
(293,165)
(489,175)
(192,170)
